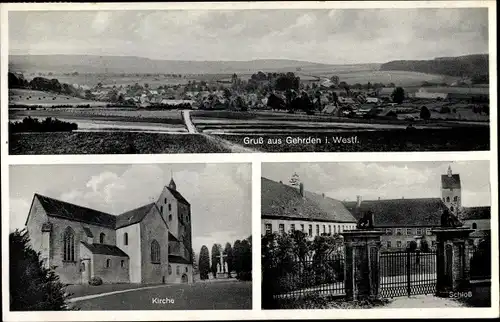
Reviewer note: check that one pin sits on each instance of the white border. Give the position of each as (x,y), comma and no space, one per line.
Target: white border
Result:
(255,158)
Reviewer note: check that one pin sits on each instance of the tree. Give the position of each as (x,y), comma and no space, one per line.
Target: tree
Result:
(425,114)
(204,263)
(398,95)
(33,287)
(215,259)
(236,256)
(228,251)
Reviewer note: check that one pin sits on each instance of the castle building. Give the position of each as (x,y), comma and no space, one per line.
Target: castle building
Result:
(286,208)
(451,191)
(149,244)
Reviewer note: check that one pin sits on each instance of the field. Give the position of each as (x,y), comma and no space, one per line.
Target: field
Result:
(170,117)
(110,143)
(109,80)
(396,140)
(33,97)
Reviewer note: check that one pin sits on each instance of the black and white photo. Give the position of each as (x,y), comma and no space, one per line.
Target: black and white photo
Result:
(376,235)
(130,237)
(255,80)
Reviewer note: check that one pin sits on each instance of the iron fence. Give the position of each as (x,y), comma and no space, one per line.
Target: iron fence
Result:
(407,273)
(298,277)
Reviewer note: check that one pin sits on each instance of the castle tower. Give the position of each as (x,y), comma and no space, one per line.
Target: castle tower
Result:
(451,191)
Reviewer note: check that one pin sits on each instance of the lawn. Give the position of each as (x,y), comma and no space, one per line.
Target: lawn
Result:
(34,97)
(110,143)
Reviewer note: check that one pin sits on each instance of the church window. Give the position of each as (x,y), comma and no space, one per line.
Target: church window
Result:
(455,198)
(122,263)
(69,245)
(125,239)
(108,263)
(82,267)
(165,201)
(161,209)
(186,270)
(170,217)
(474,225)
(169,207)
(155,252)
(169,269)
(101,238)
(177,270)
(447,199)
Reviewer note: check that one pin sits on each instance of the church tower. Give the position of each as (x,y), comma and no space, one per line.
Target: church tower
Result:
(451,191)
(172,184)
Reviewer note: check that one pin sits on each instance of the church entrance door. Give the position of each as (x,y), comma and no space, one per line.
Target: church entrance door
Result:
(85,270)
(184,278)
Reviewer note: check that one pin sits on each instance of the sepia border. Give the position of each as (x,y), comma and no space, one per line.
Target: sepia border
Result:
(256,159)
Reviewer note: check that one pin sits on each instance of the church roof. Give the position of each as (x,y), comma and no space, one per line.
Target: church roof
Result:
(133,216)
(450,182)
(400,212)
(282,201)
(475,213)
(62,209)
(178,259)
(104,249)
(178,196)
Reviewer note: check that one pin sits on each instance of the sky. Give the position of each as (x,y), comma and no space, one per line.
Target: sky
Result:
(336,36)
(387,180)
(219,194)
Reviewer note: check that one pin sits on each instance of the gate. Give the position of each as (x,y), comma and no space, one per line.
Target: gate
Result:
(407,273)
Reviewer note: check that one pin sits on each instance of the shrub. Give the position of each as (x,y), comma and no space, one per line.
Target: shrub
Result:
(32,286)
(48,125)
(95,281)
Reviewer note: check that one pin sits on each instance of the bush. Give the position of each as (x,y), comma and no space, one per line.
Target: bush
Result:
(32,286)
(48,125)
(95,281)
(245,276)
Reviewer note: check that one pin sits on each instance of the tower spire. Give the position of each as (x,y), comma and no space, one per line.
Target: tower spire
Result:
(172,184)
(449,171)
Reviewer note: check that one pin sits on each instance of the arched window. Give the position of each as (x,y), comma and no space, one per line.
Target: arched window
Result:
(125,239)
(474,225)
(155,251)
(101,238)
(447,199)
(69,245)
(122,263)
(108,263)
(82,267)
(169,269)
(187,269)
(455,198)
(170,217)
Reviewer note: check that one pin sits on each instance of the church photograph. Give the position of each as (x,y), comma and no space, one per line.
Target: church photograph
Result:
(137,230)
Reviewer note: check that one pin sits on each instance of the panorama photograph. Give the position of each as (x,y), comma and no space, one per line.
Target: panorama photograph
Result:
(260,80)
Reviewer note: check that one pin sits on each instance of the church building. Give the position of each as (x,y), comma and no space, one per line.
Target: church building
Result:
(451,191)
(149,244)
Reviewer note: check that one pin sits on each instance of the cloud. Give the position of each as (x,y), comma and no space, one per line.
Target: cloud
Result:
(331,36)
(19,209)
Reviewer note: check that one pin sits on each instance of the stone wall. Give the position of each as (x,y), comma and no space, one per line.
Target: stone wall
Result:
(178,271)
(133,249)
(154,228)
(115,273)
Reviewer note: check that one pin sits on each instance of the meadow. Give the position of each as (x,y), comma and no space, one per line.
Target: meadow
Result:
(34,97)
(110,143)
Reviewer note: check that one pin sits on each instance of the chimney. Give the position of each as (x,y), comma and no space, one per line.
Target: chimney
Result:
(358,201)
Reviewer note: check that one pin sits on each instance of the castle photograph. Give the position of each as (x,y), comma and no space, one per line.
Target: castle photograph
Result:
(317,218)
(127,227)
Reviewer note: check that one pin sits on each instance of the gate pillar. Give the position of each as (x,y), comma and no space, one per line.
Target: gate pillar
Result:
(362,249)
(452,264)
